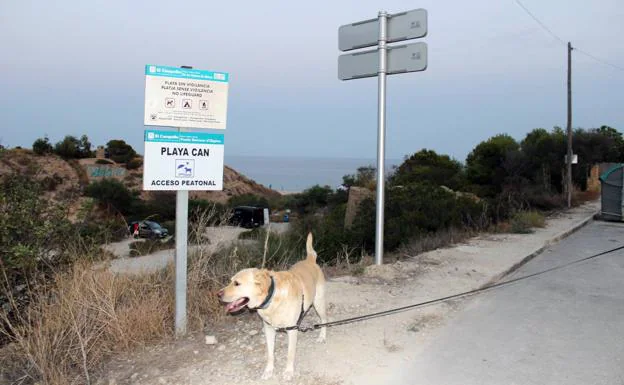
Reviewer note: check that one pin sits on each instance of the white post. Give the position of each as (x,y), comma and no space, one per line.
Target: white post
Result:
(180,261)
(381,139)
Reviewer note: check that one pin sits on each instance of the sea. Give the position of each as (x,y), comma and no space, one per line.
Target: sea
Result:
(295,174)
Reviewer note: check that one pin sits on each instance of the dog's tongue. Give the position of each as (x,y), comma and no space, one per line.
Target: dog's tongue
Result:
(236,305)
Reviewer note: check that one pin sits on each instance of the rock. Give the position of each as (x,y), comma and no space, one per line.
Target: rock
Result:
(253,332)
(195,351)
(211,340)
(221,348)
(134,376)
(112,381)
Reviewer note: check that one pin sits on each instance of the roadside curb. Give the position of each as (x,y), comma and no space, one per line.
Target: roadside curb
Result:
(564,234)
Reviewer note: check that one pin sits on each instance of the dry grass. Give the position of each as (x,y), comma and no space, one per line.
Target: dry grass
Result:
(432,241)
(84,315)
(524,222)
(580,197)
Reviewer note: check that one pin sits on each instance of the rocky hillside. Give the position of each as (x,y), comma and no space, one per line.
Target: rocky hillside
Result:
(65,179)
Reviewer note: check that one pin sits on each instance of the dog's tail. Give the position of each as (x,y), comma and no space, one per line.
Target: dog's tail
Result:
(309,249)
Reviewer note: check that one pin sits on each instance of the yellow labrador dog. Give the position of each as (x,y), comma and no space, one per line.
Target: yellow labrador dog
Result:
(281,298)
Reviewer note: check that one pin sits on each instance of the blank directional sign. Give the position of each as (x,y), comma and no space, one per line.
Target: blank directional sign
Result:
(401,59)
(401,26)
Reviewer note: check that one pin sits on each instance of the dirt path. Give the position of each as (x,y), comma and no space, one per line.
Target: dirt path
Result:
(218,237)
(353,354)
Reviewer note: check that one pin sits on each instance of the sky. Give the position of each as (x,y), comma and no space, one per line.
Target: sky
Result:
(77,67)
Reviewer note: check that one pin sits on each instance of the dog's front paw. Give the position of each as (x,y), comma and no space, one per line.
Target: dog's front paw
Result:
(268,373)
(288,374)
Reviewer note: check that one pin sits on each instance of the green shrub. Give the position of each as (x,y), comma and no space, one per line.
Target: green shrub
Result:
(524,222)
(120,151)
(111,194)
(34,235)
(104,161)
(134,163)
(101,232)
(248,200)
(42,146)
(419,209)
(50,182)
(73,148)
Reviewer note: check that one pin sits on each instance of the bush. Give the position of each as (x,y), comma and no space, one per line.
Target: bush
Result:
(73,148)
(134,163)
(161,206)
(42,146)
(111,195)
(33,233)
(101,232)
(104,161)
(248,200)
(428,166)
(420,209)
(50,182)
(120,151)
(490,164)
(524,222)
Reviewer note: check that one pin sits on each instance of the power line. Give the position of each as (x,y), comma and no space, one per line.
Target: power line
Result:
(599,60)
(545,27)
(540,23)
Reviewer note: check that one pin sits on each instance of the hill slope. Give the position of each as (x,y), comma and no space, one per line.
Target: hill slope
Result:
(66,178)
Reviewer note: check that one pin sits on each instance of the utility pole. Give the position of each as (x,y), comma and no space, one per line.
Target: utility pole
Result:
(569,129)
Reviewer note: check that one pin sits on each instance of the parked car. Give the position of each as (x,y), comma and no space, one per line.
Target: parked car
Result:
(148,229)
(247,216)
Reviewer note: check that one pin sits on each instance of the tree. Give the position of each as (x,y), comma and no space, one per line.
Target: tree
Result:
(42,146)
(365,177)
(486,165)
(544,154)
(73,148)
(84,147)
(111,194)
(119,151)
(428,166)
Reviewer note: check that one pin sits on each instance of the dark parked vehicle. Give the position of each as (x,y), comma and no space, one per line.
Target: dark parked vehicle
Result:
(247,216)
(148,229)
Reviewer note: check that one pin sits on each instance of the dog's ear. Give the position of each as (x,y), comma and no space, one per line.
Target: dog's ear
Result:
(261,278)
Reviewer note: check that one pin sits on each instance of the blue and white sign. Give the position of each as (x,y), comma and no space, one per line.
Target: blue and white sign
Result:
(182,97)
(183,161)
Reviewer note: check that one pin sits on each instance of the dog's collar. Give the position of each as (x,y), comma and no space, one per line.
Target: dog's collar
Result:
(269,296)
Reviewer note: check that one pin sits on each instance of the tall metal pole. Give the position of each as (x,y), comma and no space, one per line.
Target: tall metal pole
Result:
(181,234)
(181,241)
(381,139)
(569,130)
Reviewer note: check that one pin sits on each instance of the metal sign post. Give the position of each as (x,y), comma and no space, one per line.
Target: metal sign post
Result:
(181,241)
(391,60)
(381,139)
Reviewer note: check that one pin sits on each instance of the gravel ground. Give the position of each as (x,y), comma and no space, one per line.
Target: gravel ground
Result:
(351,350)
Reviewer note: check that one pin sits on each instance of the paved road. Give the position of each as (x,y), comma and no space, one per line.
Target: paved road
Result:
(562,328)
